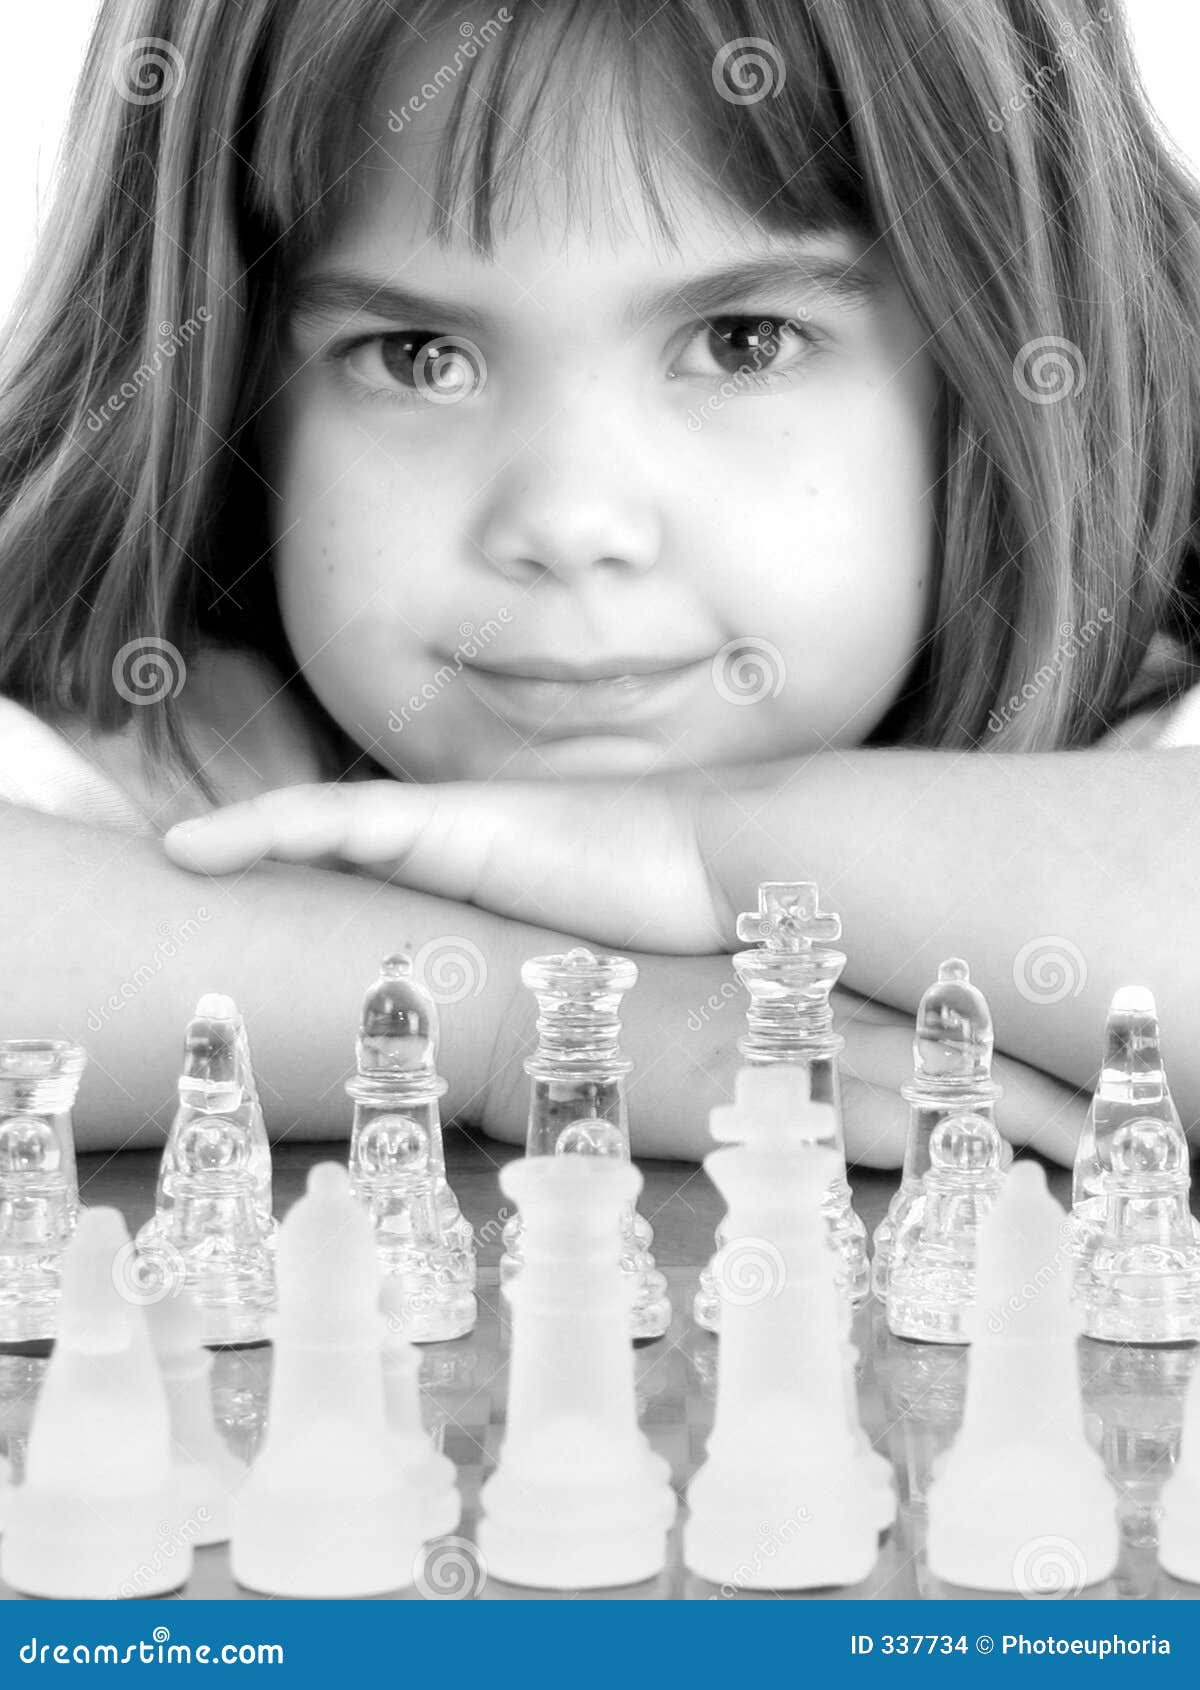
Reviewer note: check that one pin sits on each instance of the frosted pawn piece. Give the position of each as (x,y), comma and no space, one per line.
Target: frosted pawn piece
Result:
(99,1491)
(1021,1470)
(327,1508)
(952,1075)
(207,1473)
(431,1473)
(398,1075)
(1179,1525)
(783,1448)
(39,1194)
(931,1283)
(578,1499)
(209,1229)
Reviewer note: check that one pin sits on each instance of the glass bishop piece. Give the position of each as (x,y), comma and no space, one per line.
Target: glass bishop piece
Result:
(952,1075)
(210,1229)
(577,1101)
(397,1164)
(1135,1243)
(789,976)
(39,1192)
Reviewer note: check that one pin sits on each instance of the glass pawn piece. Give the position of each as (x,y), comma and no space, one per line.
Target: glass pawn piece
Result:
(209,1230)
(1179,1532)
(788,977)
(952,1075)
(397,1050)
(1021,1473)
(431,1473)
(393,1175)
(87,1522)
(39,1191)
(577,1101)
(207,1473)
(931,1280)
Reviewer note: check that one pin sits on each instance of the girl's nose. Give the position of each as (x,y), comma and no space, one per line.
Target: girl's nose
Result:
(562,506)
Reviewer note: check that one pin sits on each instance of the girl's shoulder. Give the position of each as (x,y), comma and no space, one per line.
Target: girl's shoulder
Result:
(249,727)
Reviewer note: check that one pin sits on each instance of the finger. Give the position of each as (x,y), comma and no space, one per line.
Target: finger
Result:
(294,823)
(1038,1110)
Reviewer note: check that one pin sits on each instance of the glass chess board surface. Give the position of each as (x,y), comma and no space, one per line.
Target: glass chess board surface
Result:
(910,1394)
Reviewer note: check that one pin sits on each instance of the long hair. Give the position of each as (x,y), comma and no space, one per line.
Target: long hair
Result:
(999,152)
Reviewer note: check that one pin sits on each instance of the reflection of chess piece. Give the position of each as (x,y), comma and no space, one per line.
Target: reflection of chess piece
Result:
(952,1075)
(1134,1395)
(432,1475)
(931,1278)
(789,976)
(577,1101)
(206,1472)
(786,1451)
(1021,1471)
(209,1228)
(39,1194)
(578,1499)
(397,1163)
(1179,1545)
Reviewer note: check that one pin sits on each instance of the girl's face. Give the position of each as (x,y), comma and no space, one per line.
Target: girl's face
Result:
(597,507)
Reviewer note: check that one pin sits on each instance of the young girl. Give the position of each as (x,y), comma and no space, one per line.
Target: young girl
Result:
(565,465)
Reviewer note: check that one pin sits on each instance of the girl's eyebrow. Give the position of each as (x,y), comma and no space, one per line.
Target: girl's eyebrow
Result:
(351,292)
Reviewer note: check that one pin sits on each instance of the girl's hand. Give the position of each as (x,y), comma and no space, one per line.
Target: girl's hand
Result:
(619,865)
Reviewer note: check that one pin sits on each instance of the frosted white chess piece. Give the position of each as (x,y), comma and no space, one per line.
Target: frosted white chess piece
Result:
(99,1488)
(578,1498)
(1021,1472)
(1179,1529)
(329,1508)
(207,1473)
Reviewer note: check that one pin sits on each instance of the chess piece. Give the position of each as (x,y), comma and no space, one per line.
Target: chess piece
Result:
(327,1508)
(952,1075)
(87,1521)
(1179,1530)
(577,1102)
(578,1499)
(788,977)
(931,1281)
(207,1473)
(785,1454)
(397,1160)
(1021,1472)
(431,1474)
(39,1193)
(210,1230)
(1135,1245)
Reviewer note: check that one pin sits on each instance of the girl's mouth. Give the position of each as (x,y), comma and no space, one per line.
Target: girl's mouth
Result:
(547,699)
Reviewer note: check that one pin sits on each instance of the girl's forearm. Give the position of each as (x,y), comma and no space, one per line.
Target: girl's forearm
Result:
(108,943)
(1059,877)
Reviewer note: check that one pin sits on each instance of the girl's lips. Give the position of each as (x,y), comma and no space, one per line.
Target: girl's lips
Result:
(552,709)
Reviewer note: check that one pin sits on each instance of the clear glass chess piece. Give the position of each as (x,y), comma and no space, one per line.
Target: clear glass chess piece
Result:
(397,1049)
(789,977)
(393,1174)
(952,1075)
(577,1100)
(209,1230)
(1132,1087)
(39,1192)
(931,1282)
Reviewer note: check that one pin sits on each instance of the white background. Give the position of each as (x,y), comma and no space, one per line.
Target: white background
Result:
(42,44)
